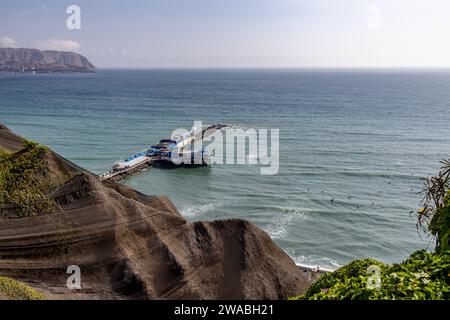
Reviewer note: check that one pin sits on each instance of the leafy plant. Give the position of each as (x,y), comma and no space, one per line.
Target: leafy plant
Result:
(23,181)
(424,276)
(434,216)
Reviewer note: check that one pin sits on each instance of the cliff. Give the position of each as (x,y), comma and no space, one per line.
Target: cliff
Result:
(128,245)
(48,61)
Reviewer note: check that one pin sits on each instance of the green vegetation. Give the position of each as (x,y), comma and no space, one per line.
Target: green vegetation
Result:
(435,214)
(13,290)
(24,183)
(440,226)
(424,276)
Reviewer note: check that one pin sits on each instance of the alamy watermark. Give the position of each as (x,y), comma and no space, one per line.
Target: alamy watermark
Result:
(374,20)
(228,145)
(374,279)
(73,21)
(74,280)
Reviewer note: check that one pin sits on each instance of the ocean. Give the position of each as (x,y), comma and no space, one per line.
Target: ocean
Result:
(363,138)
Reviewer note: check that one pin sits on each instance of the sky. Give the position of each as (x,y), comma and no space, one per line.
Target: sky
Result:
(236,33)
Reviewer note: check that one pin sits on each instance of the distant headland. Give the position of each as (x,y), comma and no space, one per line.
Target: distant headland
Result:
(23,60)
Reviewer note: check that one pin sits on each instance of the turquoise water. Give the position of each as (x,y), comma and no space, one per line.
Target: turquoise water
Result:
(365,134)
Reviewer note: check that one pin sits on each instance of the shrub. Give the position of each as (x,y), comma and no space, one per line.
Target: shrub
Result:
(434,217)
(24,183)
(14,290)
(424,276)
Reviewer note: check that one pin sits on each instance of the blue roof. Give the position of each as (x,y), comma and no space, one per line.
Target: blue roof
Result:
(140,154)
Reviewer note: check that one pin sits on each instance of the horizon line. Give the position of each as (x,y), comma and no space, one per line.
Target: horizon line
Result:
(275,68)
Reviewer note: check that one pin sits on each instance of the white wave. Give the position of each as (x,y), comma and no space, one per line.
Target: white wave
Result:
(323,263)
(198,210)
(278,228)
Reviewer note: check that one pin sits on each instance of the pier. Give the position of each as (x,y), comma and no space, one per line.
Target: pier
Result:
(122,174)
(162,152)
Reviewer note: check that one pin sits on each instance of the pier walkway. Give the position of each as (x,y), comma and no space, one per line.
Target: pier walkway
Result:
(122,174)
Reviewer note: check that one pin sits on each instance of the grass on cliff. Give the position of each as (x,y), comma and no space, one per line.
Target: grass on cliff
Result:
(424,276)
(24,183)
(14,290)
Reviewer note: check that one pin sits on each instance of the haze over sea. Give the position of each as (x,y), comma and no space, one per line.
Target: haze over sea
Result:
(365,138)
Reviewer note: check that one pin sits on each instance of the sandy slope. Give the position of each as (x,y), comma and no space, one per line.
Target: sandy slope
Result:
(133,246)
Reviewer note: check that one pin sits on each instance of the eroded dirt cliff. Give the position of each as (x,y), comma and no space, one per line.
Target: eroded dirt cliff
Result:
(132,246)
